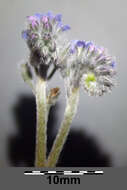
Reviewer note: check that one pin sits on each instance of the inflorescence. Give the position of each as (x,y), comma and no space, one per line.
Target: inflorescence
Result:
(45,38)
(80,62)
(90,66)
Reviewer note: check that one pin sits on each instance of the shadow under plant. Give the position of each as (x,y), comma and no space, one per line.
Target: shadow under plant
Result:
(80,150)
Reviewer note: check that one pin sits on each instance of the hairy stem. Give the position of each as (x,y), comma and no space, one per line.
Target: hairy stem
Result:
(61,137)
(41,138)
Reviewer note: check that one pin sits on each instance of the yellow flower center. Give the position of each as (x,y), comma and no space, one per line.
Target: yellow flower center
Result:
(90,78)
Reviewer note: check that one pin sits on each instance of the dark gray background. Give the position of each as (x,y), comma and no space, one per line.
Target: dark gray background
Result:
(104,22)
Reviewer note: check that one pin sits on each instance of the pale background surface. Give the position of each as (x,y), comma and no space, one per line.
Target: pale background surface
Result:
(104,22)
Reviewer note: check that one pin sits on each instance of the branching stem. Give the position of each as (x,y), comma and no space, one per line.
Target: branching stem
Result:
(70,112)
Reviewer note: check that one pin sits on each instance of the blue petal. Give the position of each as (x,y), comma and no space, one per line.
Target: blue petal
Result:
(88,44)
(38,15)
(72,51)
(25,35)
(80,43)
(73,45)
(58,17)
(50,15)
(59,24)
(65,28)
(113,64)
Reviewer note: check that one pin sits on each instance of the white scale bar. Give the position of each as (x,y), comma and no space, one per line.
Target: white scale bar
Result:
(84,172)
(73,173)
(52,172)
(34,173)
(65,172)
(99,172)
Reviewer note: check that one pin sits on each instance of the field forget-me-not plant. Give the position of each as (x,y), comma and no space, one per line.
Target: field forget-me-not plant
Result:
(80,63)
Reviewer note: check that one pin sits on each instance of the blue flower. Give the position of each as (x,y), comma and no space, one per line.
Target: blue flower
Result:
(65,27)
(88,44)
(113,64)
(59,24)
(73,46)
(50,15)
(25,34)
(38,15)
(58,17)
(80,43)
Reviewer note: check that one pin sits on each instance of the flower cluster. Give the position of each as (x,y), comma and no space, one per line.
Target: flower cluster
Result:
(90,66)
(80,62)
(44,35)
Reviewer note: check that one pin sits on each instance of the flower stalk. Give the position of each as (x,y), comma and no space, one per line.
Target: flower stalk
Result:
(70,111)
(41,138)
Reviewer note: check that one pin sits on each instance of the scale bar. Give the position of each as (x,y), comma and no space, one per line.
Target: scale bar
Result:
(89,172)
